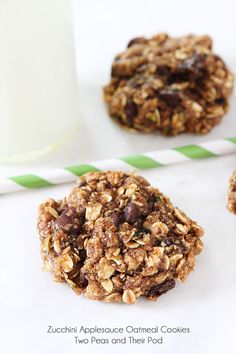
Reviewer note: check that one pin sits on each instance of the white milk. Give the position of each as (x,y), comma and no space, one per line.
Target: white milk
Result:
(38,107)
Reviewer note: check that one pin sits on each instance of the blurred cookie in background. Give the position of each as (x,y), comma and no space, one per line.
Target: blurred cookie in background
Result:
(169,85)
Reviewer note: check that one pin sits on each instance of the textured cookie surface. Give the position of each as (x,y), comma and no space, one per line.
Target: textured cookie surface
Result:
(232,194)
(170,85)
(116,238)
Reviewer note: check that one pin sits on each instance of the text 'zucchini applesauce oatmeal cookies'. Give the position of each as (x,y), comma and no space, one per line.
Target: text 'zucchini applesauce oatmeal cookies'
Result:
(115,238)
(170,85)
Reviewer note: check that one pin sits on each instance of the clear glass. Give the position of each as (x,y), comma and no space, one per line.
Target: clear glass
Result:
(38,96)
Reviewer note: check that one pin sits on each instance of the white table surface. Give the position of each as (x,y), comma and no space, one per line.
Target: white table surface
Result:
(29,299)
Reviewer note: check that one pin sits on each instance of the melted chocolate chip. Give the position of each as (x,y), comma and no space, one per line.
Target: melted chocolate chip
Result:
(116,218)
(66,218)
(131,213)
(220,101)
(194,93)
(196,63)
(170,97)
(189,69)
(131,111)
(162,288)
(173,240)
(70,220)
(163,70)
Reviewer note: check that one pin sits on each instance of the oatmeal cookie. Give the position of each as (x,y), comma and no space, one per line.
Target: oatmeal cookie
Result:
(169,85)
(232,194)
(115,238)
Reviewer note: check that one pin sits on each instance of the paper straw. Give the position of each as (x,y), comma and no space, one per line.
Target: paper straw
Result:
(146,160)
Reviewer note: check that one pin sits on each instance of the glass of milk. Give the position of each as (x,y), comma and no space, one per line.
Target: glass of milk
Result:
(38,96)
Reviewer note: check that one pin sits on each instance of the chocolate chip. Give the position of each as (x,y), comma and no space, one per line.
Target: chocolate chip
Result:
(173,240)
(170,97)
(163,70)
(116,218)
(162,288)
(179,76)
(220,101)
(131,213)
(194,93)
(190,69)
(130,111)
(69,220)
(137,40)
(196,62)
(66,217)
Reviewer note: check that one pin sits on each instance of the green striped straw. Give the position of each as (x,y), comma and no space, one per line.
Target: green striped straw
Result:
(146,160)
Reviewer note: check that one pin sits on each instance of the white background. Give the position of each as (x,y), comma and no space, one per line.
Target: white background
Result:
(29,299)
